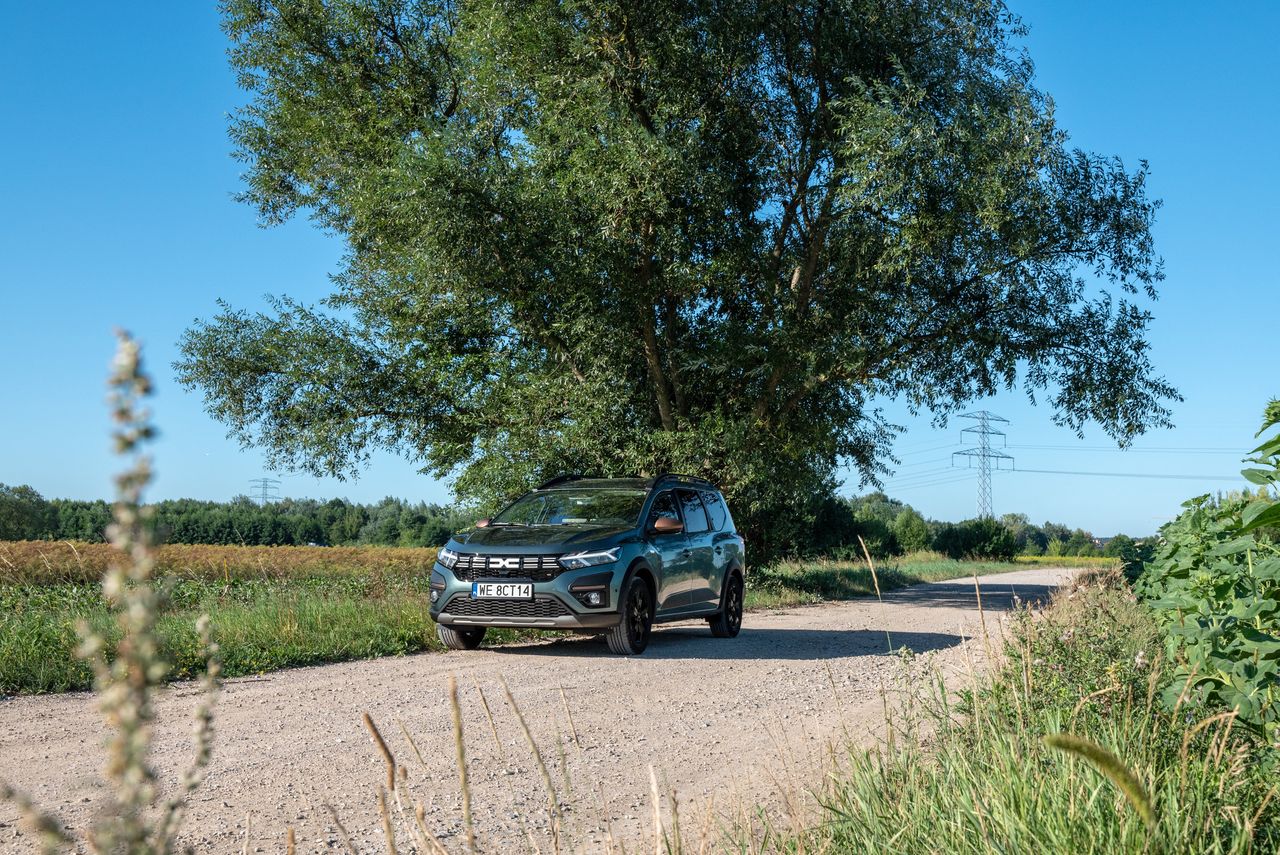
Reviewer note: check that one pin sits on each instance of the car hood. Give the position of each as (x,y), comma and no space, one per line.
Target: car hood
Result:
(515,536)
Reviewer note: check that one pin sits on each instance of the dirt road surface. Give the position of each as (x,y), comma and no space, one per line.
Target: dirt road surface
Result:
(741,721)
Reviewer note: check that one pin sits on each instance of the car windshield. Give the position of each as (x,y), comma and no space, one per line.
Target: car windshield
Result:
(575,507)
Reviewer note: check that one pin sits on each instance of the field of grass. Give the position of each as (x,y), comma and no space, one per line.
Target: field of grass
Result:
(978,775)
(794,583)
(45,561)
(285,606)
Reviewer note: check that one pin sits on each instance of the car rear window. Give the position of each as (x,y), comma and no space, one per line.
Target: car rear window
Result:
(714,504)
(695,518)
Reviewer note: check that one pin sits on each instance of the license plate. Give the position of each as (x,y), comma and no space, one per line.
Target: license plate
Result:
(502,590)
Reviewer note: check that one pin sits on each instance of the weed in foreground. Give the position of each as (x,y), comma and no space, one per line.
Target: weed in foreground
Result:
(136,818)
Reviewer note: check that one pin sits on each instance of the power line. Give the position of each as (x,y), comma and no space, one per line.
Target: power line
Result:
(924,462)
(1130,475)
(919,446)
(941,483)
(907,476)
(927,450)
(928,479)
(1148,450)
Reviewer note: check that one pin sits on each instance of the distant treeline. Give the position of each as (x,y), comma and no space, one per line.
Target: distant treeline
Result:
(892,527)
(888,526)
(26,515)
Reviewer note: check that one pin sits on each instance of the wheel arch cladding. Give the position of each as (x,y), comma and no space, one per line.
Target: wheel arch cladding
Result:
(641,568)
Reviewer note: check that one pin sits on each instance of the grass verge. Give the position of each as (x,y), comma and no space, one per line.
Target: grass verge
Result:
(981,774)
(261,625)
(795,583)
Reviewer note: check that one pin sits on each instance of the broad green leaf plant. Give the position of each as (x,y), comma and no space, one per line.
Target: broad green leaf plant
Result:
(1215,583)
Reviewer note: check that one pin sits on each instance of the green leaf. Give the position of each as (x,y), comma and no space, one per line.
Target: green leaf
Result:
(1265,477)
(1270,416)
(1263,642)
(1253,607)
(1260,514)
(1268,569)
(1233,546)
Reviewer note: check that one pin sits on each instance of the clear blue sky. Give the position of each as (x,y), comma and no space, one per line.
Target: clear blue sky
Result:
(118,210)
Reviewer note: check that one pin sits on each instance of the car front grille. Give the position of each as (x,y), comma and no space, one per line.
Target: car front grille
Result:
(543,607)
(539,568)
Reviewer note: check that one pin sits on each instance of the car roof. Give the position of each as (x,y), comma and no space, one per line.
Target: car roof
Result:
(574,482)
(600,483)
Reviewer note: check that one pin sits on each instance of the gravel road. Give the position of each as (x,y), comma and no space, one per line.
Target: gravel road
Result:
(742,721)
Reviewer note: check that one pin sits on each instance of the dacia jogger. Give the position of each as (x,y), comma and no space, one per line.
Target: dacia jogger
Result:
(612,556)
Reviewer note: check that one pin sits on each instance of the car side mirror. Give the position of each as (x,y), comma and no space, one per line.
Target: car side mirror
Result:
(666,525)
(482,523)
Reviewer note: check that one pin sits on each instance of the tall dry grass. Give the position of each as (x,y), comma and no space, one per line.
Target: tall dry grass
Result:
(54,562)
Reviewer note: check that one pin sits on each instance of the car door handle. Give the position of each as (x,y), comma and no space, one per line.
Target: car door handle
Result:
(719,550)
(686,553)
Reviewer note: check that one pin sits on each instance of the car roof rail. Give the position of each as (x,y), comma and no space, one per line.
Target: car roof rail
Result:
(672,476)
(559,479)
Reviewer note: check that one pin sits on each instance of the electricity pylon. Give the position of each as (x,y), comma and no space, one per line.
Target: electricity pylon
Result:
(267,488)
(984,454)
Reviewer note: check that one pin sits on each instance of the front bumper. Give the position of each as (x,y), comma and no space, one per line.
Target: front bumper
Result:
(553,606)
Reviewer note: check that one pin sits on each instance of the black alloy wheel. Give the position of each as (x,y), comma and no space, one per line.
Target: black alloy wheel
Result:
(728,621)
(631,635)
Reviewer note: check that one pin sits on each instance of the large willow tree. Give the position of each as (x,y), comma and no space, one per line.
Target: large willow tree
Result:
(703,236)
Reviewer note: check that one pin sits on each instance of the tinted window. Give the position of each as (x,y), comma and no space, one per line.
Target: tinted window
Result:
(695,518)
(714,504)
(664,506)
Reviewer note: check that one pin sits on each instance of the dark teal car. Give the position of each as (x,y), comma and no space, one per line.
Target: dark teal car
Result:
(612,556)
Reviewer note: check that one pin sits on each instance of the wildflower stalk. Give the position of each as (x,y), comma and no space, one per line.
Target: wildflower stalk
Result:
(128,821)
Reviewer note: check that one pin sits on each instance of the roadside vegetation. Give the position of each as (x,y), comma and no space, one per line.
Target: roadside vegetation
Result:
(1214,585)
(989,770)
(1139,713)
(281,607)
(794,583)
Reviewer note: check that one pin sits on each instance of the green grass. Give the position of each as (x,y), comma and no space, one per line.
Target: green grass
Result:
(260,625)
(974,774)
(795,583)
(272,622)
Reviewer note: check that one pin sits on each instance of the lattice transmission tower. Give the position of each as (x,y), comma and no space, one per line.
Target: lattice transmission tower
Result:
(984,454)
(266,489)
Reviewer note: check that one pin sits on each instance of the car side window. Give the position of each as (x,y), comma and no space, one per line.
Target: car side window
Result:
(714,504)
(664,505)
(695,517)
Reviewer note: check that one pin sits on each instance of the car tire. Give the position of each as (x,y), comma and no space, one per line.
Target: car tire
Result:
(728,621)
(460,639)
(631,636)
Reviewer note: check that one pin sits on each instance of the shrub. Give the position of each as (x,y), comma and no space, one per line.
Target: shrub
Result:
(983,539)
(911,531)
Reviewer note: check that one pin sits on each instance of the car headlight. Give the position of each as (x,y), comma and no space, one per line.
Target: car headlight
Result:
(447,557)
(578,560)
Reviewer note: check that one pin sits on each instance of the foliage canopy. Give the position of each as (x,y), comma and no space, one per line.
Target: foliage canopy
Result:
(699,236)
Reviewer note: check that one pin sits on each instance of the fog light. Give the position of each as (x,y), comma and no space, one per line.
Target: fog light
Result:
(435,595)
(592,599)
